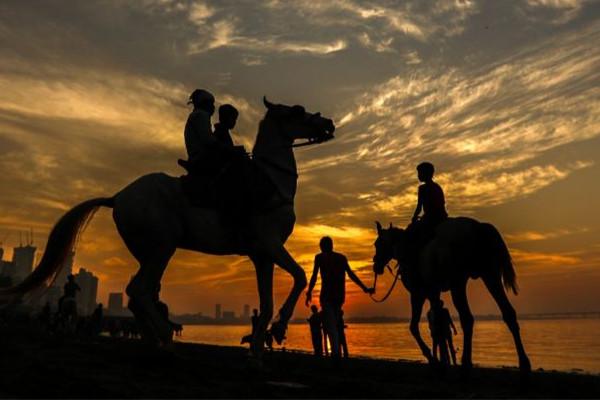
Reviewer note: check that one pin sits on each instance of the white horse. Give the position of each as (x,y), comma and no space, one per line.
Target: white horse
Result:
(154,218)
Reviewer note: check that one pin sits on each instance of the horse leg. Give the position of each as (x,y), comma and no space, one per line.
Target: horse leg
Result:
(143,292)
(509,315)
(264,278)
(459,298)
(416,303)
(275,250)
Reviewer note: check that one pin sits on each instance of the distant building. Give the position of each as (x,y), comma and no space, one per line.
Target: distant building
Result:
(23,257)
(115,302)
(228,315)
(217,311)
(246,311)
(86,298)
(116,307)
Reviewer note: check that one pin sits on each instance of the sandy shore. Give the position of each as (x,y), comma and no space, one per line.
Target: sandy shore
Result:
(35,365)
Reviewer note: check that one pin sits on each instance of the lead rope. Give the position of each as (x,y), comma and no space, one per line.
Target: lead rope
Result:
(391,287)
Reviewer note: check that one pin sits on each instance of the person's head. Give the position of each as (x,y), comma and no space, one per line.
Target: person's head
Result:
(326,244)
(204,100)
(425,171)
(71,277)
(314,309)
(255,311)
(100,305)
(228,115)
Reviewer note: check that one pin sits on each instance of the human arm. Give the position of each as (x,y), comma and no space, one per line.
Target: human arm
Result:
(452,324)
(357,280)
(313,281)
(419,206)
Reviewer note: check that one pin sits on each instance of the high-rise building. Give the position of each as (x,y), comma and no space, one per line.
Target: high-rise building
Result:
(246,311)
(86,297)
(23,257)
(217,311)
(115,303)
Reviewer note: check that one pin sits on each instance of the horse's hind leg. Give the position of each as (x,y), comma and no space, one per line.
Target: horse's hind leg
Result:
(509,315)
(459,298)
(143,292)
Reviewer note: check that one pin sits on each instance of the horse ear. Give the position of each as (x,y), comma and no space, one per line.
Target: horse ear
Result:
(379,228)
(390,225)
(267,103)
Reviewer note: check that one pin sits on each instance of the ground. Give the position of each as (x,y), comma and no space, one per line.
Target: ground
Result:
(35,365)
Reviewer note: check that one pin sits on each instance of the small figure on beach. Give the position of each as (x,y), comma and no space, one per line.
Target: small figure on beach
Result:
(333,268)
(316,331)
(440,323)
(254,320)
(97,321)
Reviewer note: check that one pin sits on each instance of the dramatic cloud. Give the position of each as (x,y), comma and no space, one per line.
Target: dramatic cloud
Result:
(503,97)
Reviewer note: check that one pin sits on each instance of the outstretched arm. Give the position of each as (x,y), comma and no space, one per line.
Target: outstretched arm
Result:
(311,285)
(452,323)
(357,280)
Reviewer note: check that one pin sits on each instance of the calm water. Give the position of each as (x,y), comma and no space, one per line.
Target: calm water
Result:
(565,345)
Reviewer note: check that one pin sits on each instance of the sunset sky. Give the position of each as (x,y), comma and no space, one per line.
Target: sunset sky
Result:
(502,96)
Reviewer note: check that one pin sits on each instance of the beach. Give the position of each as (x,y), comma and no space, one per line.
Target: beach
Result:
(36,365)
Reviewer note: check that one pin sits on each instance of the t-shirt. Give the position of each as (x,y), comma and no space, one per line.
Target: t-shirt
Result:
(431,196)
(332,267)
(222,134)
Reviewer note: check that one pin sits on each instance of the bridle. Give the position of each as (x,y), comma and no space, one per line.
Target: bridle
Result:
(397,277)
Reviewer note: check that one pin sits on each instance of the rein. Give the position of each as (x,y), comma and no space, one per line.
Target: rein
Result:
(384,298)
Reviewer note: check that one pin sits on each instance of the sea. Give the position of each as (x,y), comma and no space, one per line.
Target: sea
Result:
(570,345)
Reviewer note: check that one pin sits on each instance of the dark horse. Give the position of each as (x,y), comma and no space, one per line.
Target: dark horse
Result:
(461,248)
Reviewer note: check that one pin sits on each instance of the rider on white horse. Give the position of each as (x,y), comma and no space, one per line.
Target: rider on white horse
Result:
(216,164)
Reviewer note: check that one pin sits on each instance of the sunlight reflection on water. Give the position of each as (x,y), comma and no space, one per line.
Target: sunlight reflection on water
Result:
(566,345)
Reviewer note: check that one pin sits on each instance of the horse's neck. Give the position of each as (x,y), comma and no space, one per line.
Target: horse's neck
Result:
(275,155)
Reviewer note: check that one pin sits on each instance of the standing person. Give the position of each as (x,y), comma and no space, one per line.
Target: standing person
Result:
(316,331)
(333,268)
(254,320)
(440,323)
(97,321)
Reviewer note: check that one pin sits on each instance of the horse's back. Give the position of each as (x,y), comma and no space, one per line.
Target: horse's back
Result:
(453,252)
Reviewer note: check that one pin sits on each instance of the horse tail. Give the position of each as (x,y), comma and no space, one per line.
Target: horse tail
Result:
(61,242)
(496,248)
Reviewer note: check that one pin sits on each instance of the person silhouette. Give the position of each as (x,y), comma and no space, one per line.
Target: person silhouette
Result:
(430,201)
(333,267)
(228,115)
(440,323)
(97,321)
(69,291)
(316,329)
(215,162)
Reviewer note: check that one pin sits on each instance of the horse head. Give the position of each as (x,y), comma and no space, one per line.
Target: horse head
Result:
(297,123)
(386,246)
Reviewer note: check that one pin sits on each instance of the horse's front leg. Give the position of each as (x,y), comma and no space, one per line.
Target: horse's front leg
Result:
(416,302)
(264,278)
(282,258)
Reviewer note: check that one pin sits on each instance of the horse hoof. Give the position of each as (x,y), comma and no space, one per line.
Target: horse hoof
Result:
(278,332)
